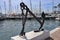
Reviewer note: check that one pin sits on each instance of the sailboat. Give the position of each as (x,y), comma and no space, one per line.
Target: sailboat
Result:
(58,17)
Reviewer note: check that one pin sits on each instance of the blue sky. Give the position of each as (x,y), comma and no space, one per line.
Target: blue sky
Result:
(46,5)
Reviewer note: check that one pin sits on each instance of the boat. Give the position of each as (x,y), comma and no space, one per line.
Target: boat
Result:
(58,17)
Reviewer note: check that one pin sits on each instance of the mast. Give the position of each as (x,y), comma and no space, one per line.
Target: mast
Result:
(21,0)
(53,6)
(0,9)
(17,8)
(31,5)
(9,6)
(5,6)
(39,6)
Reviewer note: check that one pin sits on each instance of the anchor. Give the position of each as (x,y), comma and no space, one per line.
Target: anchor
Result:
(24,17)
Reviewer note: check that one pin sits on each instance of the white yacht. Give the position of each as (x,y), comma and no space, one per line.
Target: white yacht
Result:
(58,17)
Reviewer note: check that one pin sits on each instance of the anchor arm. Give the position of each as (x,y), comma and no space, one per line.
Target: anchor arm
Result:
(41,24)
(34,16)
(43,19)
(36,19)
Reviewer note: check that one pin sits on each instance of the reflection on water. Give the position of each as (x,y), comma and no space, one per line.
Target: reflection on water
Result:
(9,28)
(1,23)
(58,23)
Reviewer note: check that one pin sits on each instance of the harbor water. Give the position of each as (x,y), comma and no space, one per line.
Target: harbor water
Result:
(9,28)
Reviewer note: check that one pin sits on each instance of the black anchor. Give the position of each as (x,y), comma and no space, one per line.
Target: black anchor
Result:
(24,17)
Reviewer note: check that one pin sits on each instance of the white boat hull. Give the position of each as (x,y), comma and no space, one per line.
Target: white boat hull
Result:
(57,18)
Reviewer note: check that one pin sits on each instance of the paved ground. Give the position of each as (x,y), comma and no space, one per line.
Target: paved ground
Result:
(55,34)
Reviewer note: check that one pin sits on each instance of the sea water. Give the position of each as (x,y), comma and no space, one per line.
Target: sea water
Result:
(9,28)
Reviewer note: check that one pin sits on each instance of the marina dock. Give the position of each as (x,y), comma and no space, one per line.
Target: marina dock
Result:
(29,17)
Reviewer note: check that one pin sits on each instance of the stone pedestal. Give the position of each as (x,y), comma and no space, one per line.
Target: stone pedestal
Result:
(33,36)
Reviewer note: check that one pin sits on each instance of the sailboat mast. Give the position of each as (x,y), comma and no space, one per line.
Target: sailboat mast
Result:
(5,6)
(53,6)
(0,9)
(31,5)
(39,6)
(9,6)
(17,8)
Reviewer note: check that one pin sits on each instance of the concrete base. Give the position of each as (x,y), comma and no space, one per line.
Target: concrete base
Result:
(55,34)
(33,36)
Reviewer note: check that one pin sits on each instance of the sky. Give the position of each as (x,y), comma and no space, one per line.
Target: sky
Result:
(46,5)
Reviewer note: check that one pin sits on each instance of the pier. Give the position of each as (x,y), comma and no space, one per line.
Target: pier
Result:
(55,34)
(28,17)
